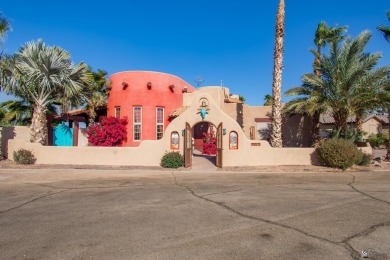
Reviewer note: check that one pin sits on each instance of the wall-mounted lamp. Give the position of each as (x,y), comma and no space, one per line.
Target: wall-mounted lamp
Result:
(224,131)
(172,87)
(149,85)
(124,85)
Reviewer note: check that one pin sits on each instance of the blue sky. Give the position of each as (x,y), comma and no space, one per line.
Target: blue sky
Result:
(226,40)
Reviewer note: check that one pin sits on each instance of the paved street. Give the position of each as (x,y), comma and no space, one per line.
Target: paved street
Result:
(139,214)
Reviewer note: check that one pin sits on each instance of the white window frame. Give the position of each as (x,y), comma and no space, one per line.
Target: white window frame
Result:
(160,124)
(118,112)
(137,123)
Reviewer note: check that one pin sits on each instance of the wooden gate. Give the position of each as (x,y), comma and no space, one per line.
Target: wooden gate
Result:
(219,146)
(188,146)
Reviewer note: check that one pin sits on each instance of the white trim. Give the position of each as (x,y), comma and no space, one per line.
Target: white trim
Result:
(138,123)
(116,111)
(160,124)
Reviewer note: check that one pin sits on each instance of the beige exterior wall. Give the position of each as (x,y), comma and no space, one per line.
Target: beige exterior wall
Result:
(250,152)
(245,115)
(16,132)
(385,129)
(372,126)
(296,131)
(217,93)
(149,153)
(83,140)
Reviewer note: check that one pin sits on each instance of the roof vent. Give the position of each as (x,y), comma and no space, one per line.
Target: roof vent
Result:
(149,85)
(124,85)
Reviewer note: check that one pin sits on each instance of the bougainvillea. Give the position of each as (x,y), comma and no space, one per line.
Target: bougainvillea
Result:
(209,144)
(110,131)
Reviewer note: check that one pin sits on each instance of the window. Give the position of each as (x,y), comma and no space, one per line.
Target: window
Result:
(233,141)
(118,112)
(137,123)
(159,122)
(175,140)
(263,130)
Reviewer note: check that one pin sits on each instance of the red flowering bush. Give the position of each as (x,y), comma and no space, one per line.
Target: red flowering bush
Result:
(110,131)
(209,144)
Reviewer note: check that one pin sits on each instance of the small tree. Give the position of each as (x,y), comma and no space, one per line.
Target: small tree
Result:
(110,131)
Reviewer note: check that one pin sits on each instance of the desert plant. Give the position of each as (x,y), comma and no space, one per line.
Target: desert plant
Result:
(339,153)
(366,159)
(172,160)
(377,140)
(110,131)
(23,156)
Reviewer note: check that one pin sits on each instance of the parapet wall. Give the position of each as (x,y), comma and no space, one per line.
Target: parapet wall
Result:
(147,154)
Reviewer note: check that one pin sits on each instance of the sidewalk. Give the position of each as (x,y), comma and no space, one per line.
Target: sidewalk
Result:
(204,165)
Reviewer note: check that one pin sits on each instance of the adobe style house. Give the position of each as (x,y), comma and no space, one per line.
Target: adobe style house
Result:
(152,100)
(165,113)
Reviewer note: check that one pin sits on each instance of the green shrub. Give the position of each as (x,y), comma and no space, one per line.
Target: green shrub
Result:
(377,140)
(23,156)
(172,160)
(351,134)
(366,159)
(339,153)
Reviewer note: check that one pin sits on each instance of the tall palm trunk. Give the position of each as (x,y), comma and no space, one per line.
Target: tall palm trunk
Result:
(359,123)
(341,122)
(276,136)
(315,128)
(317,62)
(38,128)
(91,115)
(388,140)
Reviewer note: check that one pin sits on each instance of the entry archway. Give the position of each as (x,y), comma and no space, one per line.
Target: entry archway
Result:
(203,145)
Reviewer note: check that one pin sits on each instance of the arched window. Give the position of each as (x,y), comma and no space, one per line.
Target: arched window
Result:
(175,140)
(233,140)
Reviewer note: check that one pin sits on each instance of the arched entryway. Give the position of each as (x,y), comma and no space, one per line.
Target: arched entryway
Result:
(203,145)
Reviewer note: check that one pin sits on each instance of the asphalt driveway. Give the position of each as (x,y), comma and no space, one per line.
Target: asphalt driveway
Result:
(134,214)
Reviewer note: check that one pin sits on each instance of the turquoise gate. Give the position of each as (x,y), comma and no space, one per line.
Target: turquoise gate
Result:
(62,135)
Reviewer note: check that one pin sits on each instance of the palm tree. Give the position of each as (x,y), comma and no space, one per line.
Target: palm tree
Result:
(41,74)
(276,135)
(313,103)
(323,35)
(16,112)
(96,93)
(385,29)
(347,79)
(19,112)
(267,100)
(4,27)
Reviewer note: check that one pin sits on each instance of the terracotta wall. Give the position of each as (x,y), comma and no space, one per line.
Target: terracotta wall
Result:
(131,89)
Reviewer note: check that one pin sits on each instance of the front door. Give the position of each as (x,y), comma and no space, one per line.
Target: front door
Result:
(188,146)
(219,146)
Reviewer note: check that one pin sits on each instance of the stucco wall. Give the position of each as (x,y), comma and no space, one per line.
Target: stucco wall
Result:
(137,93)
(372,126)
(16,132)
(83,140)
(249,153)
(149,153)
(217,93)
